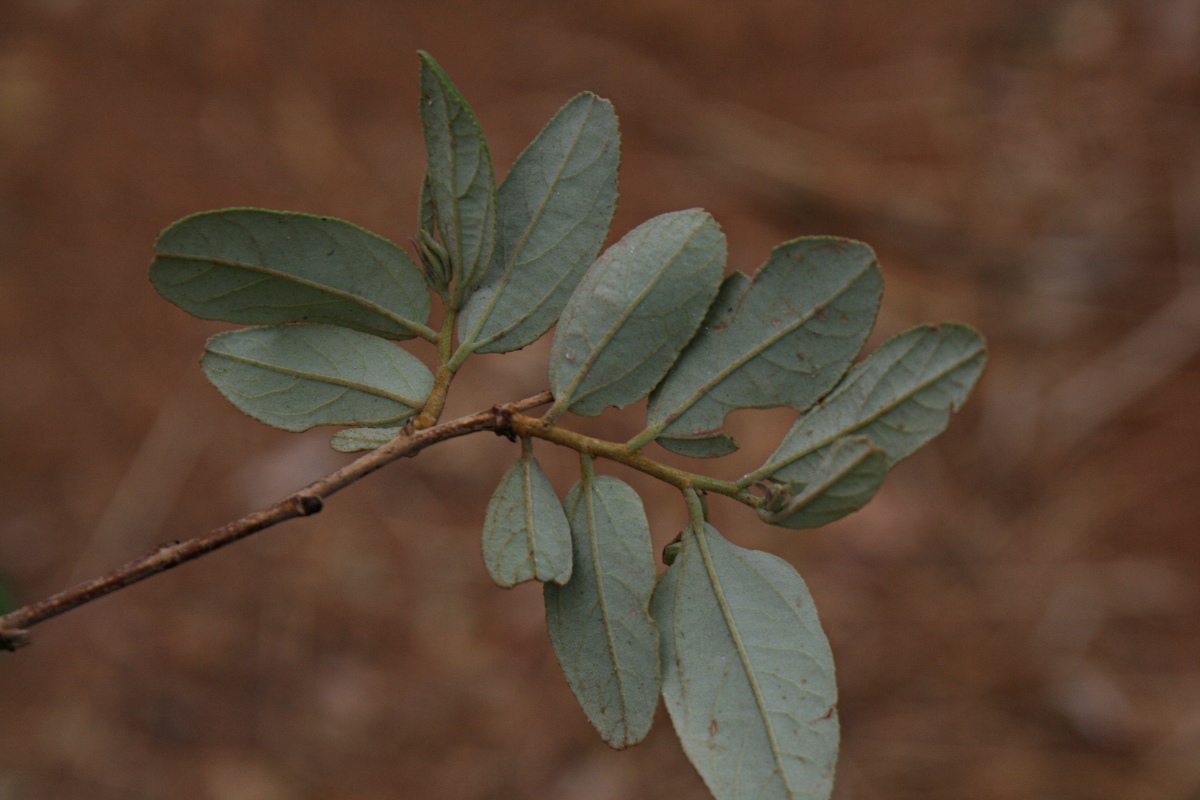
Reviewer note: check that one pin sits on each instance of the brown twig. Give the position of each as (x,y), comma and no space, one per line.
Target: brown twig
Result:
(14,627)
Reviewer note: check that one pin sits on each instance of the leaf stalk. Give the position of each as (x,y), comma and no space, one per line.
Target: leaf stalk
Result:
(446,368)
(541,428)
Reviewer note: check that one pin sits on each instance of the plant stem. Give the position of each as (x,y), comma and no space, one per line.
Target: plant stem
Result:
(695,506)
(14,627)
(506,420)
(436,401)
(623,454)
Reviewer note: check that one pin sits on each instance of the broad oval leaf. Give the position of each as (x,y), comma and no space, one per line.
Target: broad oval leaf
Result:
(354,440)
(634,311)
(459,170)
(747,672)
(843,480)
(295,377)
(526,535)
(781,338)
(900,397)
(599,622)
(553,212)
(254,266)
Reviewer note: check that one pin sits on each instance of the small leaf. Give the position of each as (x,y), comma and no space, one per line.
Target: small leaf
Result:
(599,621)
(701,446)
(634,311)
(526,535)
(747,672)
(295,377)
(253,266)
(843,480)
(354,440)
(553,212)
(782,338)
(459,171)
(434,258)
(900,397)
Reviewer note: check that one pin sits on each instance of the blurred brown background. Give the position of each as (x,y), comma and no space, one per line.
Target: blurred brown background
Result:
(1016,615)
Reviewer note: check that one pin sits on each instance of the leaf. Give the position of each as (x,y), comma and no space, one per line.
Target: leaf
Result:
(747,672)
(900,397)
(253,266)
(702,446)
(843,480)
(553,212)
(599,621)
(526,535)
(634,311)
(782,338)
(295,377)
(459,171)
(354,440)
(426,214)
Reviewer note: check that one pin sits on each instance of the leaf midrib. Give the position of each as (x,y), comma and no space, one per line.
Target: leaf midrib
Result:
(594,544)
(527,495)
(743,657)
(317,378)
(769,468)
(754,352)
(524,238)
(454,106)
(585,367)
(815,491)
(416,328)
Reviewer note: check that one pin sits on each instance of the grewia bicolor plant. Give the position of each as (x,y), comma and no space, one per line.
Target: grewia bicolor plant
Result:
(727,636)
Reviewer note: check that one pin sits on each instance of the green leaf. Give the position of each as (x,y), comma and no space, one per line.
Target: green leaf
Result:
(553,212)
(634,311)
(255,267)
(427,214)
(702,446)
(843,480)
(294,377)
(526,535)
(747,672)
(599,621)
(900,397)
(782,338)
(354,440)
(459,171)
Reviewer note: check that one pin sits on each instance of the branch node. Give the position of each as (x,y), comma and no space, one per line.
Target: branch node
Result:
(503,416)
(14,638)
(308,505)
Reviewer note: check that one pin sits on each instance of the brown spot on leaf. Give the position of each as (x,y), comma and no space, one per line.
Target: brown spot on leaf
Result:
(826,716)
